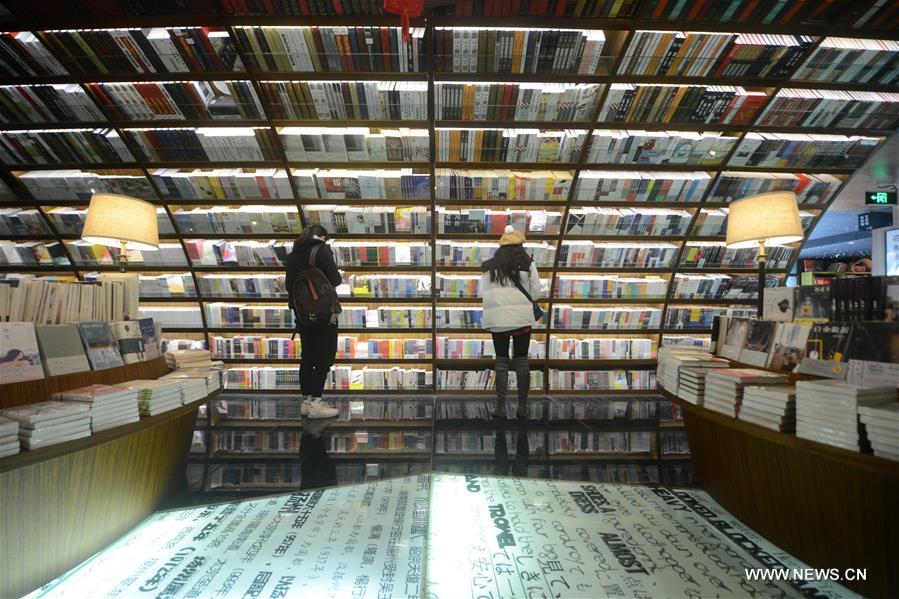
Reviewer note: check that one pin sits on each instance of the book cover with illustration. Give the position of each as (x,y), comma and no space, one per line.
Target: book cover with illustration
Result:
(100,345)
(20,357)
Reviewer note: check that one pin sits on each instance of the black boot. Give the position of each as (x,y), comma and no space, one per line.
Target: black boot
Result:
(502,386)
(523,381)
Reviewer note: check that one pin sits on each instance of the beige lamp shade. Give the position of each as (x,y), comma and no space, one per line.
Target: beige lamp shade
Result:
(769,217)
(113,219)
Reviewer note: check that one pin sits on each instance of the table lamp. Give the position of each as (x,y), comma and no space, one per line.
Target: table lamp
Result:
(771,218)
(117,219)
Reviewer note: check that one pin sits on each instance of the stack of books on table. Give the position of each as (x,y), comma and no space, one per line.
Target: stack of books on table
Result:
(672,359)
(9,437)
(157,396)
(110,405)
(773,407)
(188,358)
(50,422)
(724,387)
(827,410)
(691,381)
(881,425)
(192,389)
(211,378)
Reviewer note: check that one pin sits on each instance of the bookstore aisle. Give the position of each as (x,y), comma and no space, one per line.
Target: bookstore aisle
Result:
(445,536)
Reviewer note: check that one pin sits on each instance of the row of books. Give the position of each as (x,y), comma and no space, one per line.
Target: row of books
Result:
(620,186)
(842,300)
(501,50)
(25,298)
(18,221)
(749,11)
(339,378)
(696,317)
(601,442)
(616,254)
(668,103)
(250,441)
(346,100)
(537,8)
(233,144)
(576,317)
(602,408)
(509,145)
(707,254)
(378,441)
(601,348)
(476,380)
(179,100)
(46,103)
(515,101)
(484,443)
(410,408)
(486,220)
(655,222)
(628,146)
(355,144)
(33,253)
(246,253)
(87,254)
(369,219)
(696,54)
(63,146)
(393,253)
(801,150)
(378,285)
(245,219)
(148,50)
(301,8)
(620,380)
(483,410)
(832,108)
(34,351)
(332,49)
(856,60)
(718,286)
(449,348)
(23,54)
(609,287)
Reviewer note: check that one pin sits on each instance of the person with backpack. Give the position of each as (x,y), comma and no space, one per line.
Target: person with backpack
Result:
(311,279)
(509,285)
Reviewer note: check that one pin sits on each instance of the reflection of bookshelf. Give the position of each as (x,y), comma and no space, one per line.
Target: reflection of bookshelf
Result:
(259,134)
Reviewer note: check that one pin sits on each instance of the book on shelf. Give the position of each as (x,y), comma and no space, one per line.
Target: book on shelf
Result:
(100,345)
(336,184)
(851,60)
(655,222)
(392,253)
(628,146)
(255,441)
(214,144)
(843,109)
(882,13)
(749,11)
(502,185)
(699,317)
(222,315)
(52,146)
(130,340)
(720,286)
(562,442)
(173,316)
(16,221)
(242,220)
(393,285)
(634,186)
(379,441)
(449,348)
(825,353)
(864,373)
(80,185)
(595,8)
(448,443)
(502,50)
(813,303)
(758,343)
(615,254)
(65,102)
(500,101)
(809,189)
(610,287)
(575,317)
(34,253)
(874,341)
(179,100)
(697,54)
(413,317)
(19,352)
(414,220)
(223,183)
(716,254)
(473,253)
(344,7)
(243,285)
(23,54)
(780,304)
(459,317)
(339,378)
(601,348)
(734,338)
(354,144)
(509,145)
(147,50)
(48,301)
(561,380)
(464,380)
(346,100)
(166,285)
(667,103)
(61,349)
(600,408)
(802,150)
(789,348)
(332,49)
(493,222)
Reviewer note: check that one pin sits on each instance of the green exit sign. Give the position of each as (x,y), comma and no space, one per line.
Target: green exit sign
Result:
(880,198)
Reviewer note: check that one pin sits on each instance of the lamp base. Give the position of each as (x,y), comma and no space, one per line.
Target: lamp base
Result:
(123,257)
(760,310)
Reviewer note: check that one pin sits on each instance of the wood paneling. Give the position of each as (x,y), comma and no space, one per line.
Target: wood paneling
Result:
(62,504)
(17,394)
(830,507)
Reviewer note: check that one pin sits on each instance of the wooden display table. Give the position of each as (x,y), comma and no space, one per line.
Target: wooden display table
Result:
(61,504)
(830,507)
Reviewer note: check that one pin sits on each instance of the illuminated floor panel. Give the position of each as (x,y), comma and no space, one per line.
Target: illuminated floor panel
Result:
(443,537)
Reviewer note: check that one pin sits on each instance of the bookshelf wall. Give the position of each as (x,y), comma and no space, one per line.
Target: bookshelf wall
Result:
(615,139)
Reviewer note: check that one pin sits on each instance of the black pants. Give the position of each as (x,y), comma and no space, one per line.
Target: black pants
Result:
(520,344)
(318,347)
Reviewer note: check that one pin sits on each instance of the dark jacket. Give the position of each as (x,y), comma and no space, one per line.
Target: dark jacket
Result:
(298,259)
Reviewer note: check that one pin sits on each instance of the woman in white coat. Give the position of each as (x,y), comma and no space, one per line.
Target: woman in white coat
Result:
(509,283)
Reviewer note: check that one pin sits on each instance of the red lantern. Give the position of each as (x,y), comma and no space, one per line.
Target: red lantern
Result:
(406,9)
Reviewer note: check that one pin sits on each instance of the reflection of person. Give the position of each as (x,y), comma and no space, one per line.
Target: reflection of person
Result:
(317,469)
(509,314)
(14,357)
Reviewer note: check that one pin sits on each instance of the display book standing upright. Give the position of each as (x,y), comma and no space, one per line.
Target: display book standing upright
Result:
(646,160)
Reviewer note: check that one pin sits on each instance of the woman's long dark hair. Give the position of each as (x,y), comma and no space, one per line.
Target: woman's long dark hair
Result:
(507,263)
(306,237)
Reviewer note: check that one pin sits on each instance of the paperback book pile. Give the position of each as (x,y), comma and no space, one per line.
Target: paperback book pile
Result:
(772,407)
(188,358)
(724,387)
(881,425)
(827,410)
(109,405)
(50,422)
(157,396)
(672,359)
(9,437)
(691,381)
(212,378)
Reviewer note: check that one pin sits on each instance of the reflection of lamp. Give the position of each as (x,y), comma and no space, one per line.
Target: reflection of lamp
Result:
(771,218)
(116,219)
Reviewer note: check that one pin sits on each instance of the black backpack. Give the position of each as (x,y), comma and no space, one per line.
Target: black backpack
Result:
(314,299)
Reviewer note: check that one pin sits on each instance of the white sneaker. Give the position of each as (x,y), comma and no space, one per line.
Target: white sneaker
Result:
(316,408)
